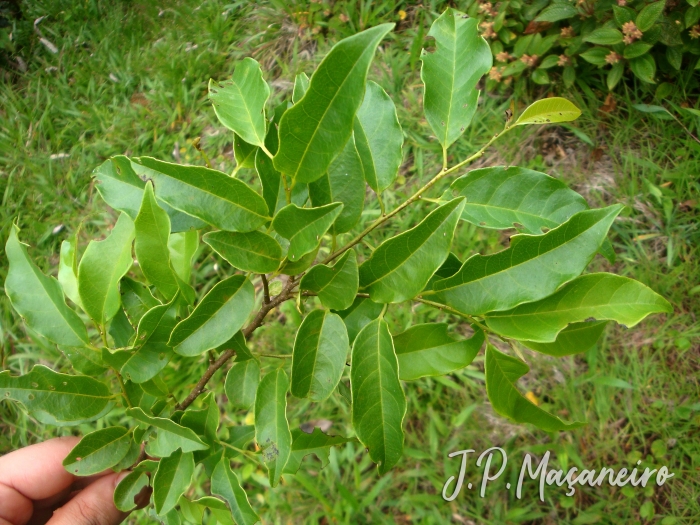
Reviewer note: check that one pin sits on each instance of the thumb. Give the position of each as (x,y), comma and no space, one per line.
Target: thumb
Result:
(94,505)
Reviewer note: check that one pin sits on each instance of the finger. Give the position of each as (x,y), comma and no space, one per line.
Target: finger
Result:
(92,506)
(33,473)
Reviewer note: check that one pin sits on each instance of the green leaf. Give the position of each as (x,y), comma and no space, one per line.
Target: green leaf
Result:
(240,103)
(450,267)
(451,73)
(103,264)
(98,451)
(556,12)
(549,62)
(136,299)
(304,227)
(128,488)
(604,36)
(649,14)
(315,129)
(244,153)
(85,360)
(540,76)
(250,252)
(39,299)
(316,443)
(532,268)
(401,266)
(68,270)
(378,402)
(238,344)
(576,338)
(300,265)
(301,86)
(595,55)
(171,480)
(501,197)
(636,49)
(623,14)
(553,109)
(152,233)
(182,247)
(131,456)
(120,329)
(153,352)
(615,75)
(501,372)
(204,421)
(57,399)
(344,183)
(219,315)
(210,195)
(122,189)
(320,349)
(225,483)
(644,68)
(171,436)
(361,312)
(674,56)
(242,383)
(600,296)
(336,286)
(428,350)
(378,137)
(271,426)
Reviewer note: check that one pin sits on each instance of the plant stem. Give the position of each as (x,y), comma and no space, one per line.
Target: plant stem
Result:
(286,293)
(123,387)
(416,196)
(287,189)
(266,289)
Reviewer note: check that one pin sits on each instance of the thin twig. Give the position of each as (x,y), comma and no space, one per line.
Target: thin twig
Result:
(266,289)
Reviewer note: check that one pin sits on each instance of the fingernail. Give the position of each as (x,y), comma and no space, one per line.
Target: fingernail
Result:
(121,476)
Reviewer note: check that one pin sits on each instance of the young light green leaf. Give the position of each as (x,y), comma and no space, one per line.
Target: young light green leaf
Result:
(315,129)
(250,252)
(103,264)
(320,349)
(57,399)
(378,137)
(172,478)
(401,266)
(343,183)
(39,299)
(336,286)
(153,352)
(532,268)
(210,195)
(98,451)
(136,299)
(378,401)
(361,312)
(244,153)
(501,372)
(504,197)
(451,73)
(316,443)
(128,488)
(68,270)
(574,339)
(271,426)
(552,109)
(242,383)
(219,315)
(301,86)
(224,483)
(171,436)
(182,247)
(122,189)
(304,227)
(152,233)
(428,350)
(240,103)
(601,296)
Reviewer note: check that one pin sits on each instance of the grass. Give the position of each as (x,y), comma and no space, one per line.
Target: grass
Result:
(131,78)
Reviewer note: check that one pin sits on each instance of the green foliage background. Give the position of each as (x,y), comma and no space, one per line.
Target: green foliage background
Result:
(131,78)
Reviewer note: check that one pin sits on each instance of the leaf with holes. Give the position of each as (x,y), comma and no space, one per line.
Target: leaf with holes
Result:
(271,426)
(548,110)
(98,451)
(128,488)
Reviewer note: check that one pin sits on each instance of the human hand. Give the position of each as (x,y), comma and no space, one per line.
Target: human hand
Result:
(36,489)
